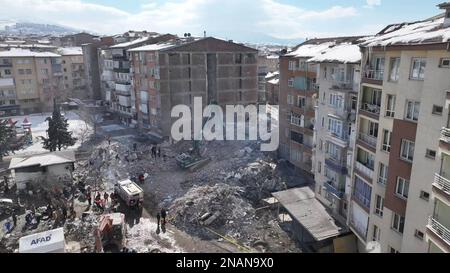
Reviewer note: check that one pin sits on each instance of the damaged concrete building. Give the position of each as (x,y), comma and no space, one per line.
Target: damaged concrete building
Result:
(42,168)
(173,73)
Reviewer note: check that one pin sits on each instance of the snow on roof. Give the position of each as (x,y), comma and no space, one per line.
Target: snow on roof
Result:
(16,52)
(153,47)
(272,74)
(42,160)
(274,81)
(429,31)
(70,51)
(341,53)
(309,50)
(130,43)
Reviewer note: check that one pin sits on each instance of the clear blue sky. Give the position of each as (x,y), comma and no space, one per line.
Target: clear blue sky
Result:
(243,20)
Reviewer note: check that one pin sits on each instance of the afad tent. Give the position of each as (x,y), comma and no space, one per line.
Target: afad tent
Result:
(51,241)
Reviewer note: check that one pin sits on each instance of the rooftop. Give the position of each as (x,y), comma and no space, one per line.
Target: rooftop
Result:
(67,51)
(133,42)
(309,212)
(423,32)
(16,52)
(341,53)
(42,160)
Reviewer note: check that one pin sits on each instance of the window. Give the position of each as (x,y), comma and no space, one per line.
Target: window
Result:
(402,187)
(325,72)
(412,110)
(373,129)
(376,233)
(362,192)
(383,174)
(419,234)
(390,106)
(290,99)
(292,65)
(418,68)
(291,82)
(298,120)
(407,150)
(320,145)
(425,195)
(7,72)
(431,154)
(398,222)
(333,151)
(335,126)
(21,72)
(393,250)
(301,102)
(379,205)
(395,66)
(437,110)
(297,137)
(336,101)
(320,167)
(445,63)
(387,136)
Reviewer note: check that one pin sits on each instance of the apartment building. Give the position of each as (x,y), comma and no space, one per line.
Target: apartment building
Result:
(298,90)
(335,128)
(272,80)
(116,76)
(401,179)
(91,53)
(266,65)
(29,81)
(74,76)
(172,73)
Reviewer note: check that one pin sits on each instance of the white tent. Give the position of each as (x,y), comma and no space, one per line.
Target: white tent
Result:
(51,241)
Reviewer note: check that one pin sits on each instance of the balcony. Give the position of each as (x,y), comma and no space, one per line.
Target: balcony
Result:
(336,165)
(445,135)
(341,139)
(123,88)
(377,75)
(6,82)
(368,139)
(6,63)
(343,85)
(331,188)
(439,230)
(442,183)
(363,169)
(370,110)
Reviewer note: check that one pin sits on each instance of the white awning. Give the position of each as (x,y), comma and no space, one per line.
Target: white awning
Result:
(309,212)
(51,241)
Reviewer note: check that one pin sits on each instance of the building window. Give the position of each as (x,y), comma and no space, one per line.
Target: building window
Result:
(28,71)
(379,205)
(7,72)
(336,101)
(292,65)
(291,82)
(402,187)
(425,195)
(387,137)
(21,72)
(290,99)
(335,126)
(376,233)
(390,106)
(362,192)
(383,174)
(437,110)
(320,145)
(320,167)
(297,137)
(333,151)
(395,66)
(412,110)
(419,234)
(393,250)
(445,63)
(298,120)
(301,102)
(418,68)
(431,154)
(398,222)
(407,150)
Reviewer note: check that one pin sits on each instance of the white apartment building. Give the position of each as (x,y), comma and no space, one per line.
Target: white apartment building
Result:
(401,173)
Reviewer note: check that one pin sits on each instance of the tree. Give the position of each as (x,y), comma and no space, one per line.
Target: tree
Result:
(58,134)
(9,142)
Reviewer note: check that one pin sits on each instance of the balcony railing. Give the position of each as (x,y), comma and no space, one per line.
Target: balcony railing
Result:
(372,108)
(445,134)
(442,183)
(6,82)
(334,190)
(342,85)
(364,169)
(438,228)
(368,139)
(374,74)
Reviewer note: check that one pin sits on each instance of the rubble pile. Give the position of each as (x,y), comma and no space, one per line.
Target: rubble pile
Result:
(220,206)
(82,231)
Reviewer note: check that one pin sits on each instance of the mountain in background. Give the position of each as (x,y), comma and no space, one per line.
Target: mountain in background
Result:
(8,27)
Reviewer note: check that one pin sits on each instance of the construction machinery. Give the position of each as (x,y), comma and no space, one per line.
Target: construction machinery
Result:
(110,234)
